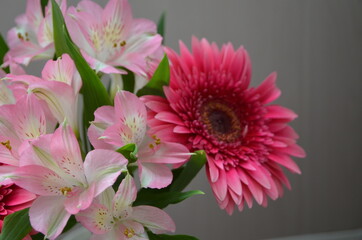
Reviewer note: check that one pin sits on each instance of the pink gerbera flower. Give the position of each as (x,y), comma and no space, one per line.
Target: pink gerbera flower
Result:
(12,199)
(210,106)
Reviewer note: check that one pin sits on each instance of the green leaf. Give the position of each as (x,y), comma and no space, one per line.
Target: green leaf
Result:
(160,78)
(155,198)
(70,224)
(43,3)
(94,93)
(191,169)
(38,236)
(153,236)
(3,50)
(16,226)
(129,151)
(128,81)
(161,26)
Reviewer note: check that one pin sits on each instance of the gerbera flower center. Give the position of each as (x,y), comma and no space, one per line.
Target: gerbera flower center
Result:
(221,121)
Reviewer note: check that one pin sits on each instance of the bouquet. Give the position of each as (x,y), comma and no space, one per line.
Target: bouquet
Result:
(118,125)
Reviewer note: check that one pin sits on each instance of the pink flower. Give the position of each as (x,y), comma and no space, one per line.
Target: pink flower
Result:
(210,106)
(112,216)
(113,38)
(21,122)
(12,199)
(33,35)
(125,123)
(52,167)
(59,88)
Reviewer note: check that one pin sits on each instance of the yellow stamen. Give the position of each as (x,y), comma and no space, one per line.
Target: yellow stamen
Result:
(129,232)
(123,43)
(157,140)
(20,36)
(65,190)
(7,144)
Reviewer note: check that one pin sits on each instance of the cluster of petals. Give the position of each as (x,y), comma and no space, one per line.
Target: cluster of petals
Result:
(28,108)
(114,38)
(12,199)
(112,216)
(52,167)
(126,123)
(209,105)
(32,38)
(111,40)
(59,87)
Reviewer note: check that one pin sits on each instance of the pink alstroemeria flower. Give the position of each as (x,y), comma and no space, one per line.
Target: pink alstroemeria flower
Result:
(126,123)
(112,216)
(52,168)
(33,36)
(20,122)
(59,88)
(113,38)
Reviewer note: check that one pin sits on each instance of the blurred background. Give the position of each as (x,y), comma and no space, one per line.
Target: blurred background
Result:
(316,48)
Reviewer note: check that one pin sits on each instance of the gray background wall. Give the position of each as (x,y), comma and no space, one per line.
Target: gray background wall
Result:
(316,48)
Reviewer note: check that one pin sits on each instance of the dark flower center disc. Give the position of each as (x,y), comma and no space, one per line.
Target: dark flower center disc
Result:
(221,121)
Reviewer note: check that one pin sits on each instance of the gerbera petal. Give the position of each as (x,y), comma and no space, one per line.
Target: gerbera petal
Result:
(19,196)
(294,150)
(285,161)
(169,117)
(220,186)
(233,181)
(213,170)
(279,112)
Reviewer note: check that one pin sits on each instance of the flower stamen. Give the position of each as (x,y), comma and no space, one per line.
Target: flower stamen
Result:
(65,191)
(7,144)
(129,232)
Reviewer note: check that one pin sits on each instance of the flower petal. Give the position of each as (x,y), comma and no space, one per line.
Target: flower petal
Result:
(154,175)
(167,152)
(40,180)
(62,70)
(153,218)
(66,152)
(97,218)
(48,216)
(131,111)
(102,167)
(125,196)
(79,199)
